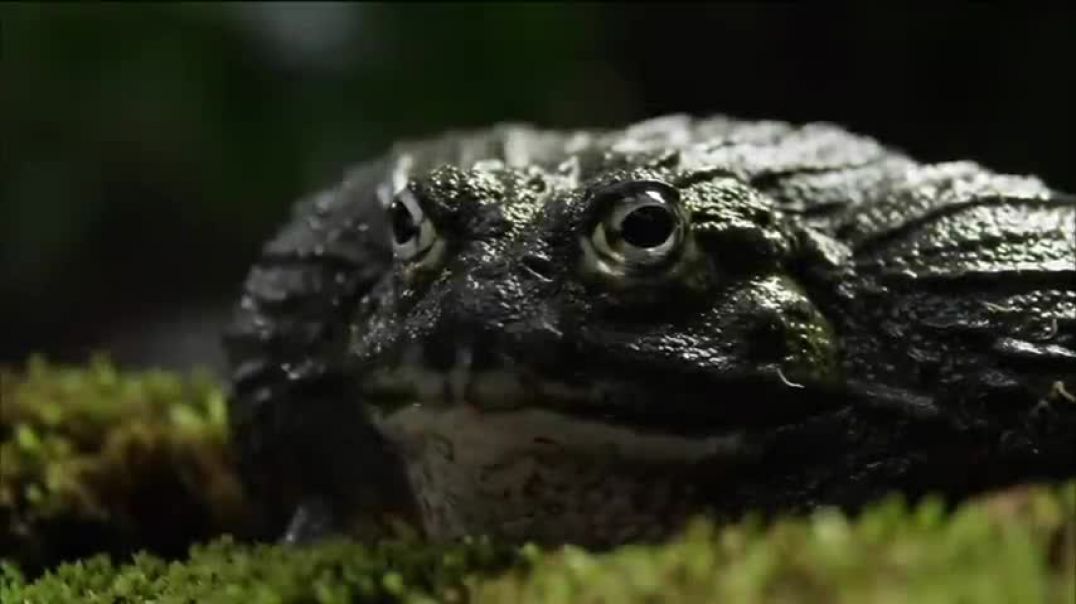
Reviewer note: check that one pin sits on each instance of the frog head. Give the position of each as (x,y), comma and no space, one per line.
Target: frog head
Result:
(653,295)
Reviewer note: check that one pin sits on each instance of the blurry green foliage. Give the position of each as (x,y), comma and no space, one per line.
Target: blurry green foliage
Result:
(1016,547)
(226,572)
(96,461)
(150,149)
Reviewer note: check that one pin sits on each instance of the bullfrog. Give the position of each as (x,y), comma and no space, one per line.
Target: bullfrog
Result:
(589,336)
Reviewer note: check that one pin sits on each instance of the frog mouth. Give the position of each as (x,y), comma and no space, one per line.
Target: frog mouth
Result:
(660,399)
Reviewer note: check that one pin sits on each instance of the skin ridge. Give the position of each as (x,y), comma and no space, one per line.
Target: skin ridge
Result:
(288,340)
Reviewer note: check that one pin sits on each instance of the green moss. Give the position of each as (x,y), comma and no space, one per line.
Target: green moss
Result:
(1016,547)
(224,571)
(1019,546)
(92,460)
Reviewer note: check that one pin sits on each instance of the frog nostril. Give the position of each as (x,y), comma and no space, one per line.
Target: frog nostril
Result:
(540,266)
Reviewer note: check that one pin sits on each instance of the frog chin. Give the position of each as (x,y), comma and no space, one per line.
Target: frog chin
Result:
(506,453)
(540,475)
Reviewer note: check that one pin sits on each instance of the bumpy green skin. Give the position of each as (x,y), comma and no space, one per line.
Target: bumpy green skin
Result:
(853,321)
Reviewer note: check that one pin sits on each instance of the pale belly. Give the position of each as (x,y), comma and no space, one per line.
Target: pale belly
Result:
(547,477)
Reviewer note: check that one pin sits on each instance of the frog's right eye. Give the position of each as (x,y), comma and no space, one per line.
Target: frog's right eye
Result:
(640,226)
(412,231)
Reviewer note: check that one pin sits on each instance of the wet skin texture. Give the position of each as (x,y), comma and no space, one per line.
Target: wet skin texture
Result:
(587,336)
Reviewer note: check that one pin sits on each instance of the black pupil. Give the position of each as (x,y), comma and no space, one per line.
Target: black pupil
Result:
(648,226)
(403,224)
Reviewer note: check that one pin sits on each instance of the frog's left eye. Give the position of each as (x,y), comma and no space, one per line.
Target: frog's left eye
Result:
(412,231)
(640,225)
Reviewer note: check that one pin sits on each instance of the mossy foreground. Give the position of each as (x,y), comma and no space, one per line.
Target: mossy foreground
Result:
(92,460)
(98,461)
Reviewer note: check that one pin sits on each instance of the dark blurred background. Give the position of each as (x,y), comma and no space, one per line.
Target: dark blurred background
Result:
(149,150)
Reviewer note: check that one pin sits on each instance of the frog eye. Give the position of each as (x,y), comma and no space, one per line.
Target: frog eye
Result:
(412,231)
(641,224)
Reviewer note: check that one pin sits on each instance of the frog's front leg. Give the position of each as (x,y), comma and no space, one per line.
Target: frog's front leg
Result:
(351,480)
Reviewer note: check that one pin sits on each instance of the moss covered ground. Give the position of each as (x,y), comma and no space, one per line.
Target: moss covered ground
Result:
(119,487)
